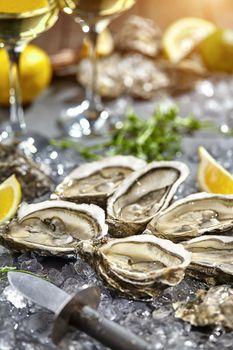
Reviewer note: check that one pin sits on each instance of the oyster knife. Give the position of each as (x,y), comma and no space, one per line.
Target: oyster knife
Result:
(78,310)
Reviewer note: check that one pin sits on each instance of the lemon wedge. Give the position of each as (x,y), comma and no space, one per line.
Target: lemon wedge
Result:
(20,6)
(183,35)
(10,197)
(212,177)
(105,45)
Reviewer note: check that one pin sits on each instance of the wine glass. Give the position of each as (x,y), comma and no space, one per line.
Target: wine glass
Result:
(20,22)
(90,117)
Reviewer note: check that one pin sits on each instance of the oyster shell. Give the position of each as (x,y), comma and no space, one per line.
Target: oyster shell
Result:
(139,266)
(211,308)
(212,258)
(33,180)
(117,75)
(142,195)
(95,182)
(54,227)
(139,34)
(193,216)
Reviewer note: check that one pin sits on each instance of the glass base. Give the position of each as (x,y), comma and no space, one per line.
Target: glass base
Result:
(30,143)
(83,120)
(37,147)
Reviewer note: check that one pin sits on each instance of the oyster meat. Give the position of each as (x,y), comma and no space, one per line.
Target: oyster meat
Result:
(33,180)
(212,258)
(139,266)
(211,308)
(142,195)
(54,227)
(193,216)
(95,182)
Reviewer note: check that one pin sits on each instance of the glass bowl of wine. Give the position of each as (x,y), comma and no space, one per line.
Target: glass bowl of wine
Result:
(90,116)
(20,22)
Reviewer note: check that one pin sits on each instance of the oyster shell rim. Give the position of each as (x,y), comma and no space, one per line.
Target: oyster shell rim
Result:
(135,288)
(123,228)
(180,166)
(87,169)
(159,242)
(190,198)
(204,271)
(26,210)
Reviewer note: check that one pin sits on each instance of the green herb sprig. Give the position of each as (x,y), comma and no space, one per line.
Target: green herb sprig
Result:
(157,138)
(4,270)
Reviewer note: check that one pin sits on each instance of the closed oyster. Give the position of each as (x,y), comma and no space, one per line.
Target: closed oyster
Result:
(139,266)
(193,216)
(139,34)
(211,308)
(212,258)
(54,227)
(142,195)
(33,180)
(95,182)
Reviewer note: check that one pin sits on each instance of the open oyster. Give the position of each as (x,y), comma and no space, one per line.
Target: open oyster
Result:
(139,266)
(212,258)
(193,216)
(142,195)
(95,182)
(54,227)
(211,308)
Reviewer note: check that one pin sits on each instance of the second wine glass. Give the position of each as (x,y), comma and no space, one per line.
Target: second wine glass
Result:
(90,116)
(20,22)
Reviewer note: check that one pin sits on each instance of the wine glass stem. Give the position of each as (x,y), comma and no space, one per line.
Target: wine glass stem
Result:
(94,98)
(17,121)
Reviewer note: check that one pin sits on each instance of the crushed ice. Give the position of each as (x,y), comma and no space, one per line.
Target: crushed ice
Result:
(14,297)
(25,326)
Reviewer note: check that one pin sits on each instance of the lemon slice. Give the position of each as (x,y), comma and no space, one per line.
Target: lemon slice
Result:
(20,6)
(10,197)
(212,177)
(182,36)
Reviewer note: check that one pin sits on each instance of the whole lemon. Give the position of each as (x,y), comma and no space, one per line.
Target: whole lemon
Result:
(217,50)
(35,74)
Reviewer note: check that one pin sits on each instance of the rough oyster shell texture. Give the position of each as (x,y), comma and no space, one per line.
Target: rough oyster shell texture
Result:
(142,195)
(54,227)
(212,258)
(33,180)
(139,266)
(142,83)
(211,308)
(139,35)
(193,216)
(137,44)
(95,182)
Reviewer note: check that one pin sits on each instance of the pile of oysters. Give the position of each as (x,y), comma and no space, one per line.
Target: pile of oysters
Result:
(117,214)
(138,43)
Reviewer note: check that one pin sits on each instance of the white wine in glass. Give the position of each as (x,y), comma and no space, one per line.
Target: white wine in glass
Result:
(96,11)
(93,16)
(20,22)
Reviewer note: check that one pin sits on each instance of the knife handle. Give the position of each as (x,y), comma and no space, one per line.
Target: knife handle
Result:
(109,333)
(79,311)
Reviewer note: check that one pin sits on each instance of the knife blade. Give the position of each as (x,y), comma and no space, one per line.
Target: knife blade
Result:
(78,310)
